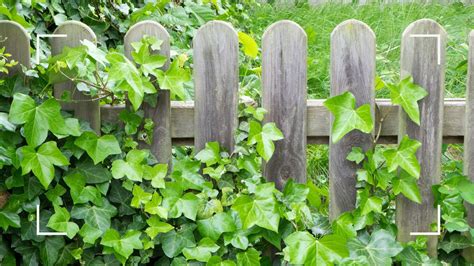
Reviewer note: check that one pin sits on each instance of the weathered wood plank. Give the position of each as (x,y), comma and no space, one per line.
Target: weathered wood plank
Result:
(352,69)
(16,41)
(182,121)
(216,83)
(424,59)
(84,108)
(284,67)
(161,114)
(469,137)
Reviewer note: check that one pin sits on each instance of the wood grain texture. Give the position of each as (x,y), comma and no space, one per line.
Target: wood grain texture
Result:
(284,67)
(469,137)
(161,113)
(84,108)
(216,83)
(16,41)
(419,58)
(352,69)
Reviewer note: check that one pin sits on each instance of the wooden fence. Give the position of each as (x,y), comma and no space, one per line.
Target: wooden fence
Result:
(213,114)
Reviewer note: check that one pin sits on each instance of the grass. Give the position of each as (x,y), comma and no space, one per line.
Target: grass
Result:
(388,23)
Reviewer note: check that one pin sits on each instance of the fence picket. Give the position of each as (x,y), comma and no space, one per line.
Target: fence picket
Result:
(424,59)
(469,137)
(161,114)
(284,48)
(84,109)
(352,69)
(216,83)
(16,41)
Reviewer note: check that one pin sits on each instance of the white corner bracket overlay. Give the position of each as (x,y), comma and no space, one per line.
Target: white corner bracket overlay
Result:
(38,39)
(438,42)
(38,226)
(437,233)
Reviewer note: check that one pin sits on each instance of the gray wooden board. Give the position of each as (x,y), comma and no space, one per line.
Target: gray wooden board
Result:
(469,137)
(284,67)
(16,41)
(216,83)
(83,108)
(352,69)
(161,113)
(419,58)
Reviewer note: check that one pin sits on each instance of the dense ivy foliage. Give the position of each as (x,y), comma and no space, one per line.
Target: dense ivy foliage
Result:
(117,205)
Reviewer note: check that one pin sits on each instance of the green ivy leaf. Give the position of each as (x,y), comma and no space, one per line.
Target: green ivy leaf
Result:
(210,154)
(264,138)
(259,210)
(407,94)
(407,185)
(98,148)
(8,218)
(96,216)
(178,204)
(356,155)
(140,197)
(217,261)
(153,206)
(42,162)
(303,248)
(89,233)
(80,193)
(186,173)
(59,221)
(156,174)
(173,242)
(202,252)
(38,119)
(156,226)
(404,156)
(379,249)
(132,167)
(5,124)
(214,226)
(372,204)
(347,117)
(455,242)
(123,246)
(141,55)
(249,257)
(173,79)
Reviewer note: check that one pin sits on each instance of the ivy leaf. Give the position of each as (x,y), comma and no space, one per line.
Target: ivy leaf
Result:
(210,154)
(37,119)
(125,245)
(59,221)
(260,210)
(249,257)
(202,252)
(173,79)
(264,137)
(5,124)
(404,156)
(153,206)
(132,167)
(42,162)
(456,242)
(140,197)
(156,174)
(249,45)
(96,216)
(141,55)
(178,204)
(98,148)
(49,250)
(411,257)
(372,204)
(214,226)
(217,261)
(303,248)
(186,172)
(80,193)
(173,242)
(89,233)
(378,249)
(407,94)
(8,218)
(95,174)
(407,185)
(356,155)
(347,117)
(344,226)
(128,78)
(156,226)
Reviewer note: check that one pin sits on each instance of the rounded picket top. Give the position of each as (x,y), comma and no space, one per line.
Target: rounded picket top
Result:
(424,26)
(352,26)
(284,27)
(216,83)
(150,28)
(76,31)
(16,41)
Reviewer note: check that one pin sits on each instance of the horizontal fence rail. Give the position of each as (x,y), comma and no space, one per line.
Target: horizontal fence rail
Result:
(317,122)
(213,116)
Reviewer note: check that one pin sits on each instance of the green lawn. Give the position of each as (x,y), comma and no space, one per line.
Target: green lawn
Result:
(388,23)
